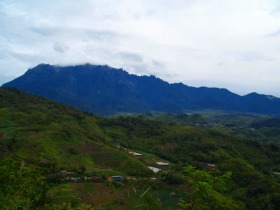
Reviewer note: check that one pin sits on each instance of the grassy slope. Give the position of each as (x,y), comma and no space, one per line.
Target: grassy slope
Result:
(33,128)
(186,143)
(252,162)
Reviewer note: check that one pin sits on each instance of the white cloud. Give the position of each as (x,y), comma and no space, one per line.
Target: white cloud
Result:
(231,44)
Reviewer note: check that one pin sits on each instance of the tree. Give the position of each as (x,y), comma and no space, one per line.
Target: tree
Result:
(147,200)
(20,186)
(201,184)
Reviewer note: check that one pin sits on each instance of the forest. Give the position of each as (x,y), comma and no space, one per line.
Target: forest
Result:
(57,157)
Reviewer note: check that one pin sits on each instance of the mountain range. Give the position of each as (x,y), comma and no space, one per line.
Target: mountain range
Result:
(105,90)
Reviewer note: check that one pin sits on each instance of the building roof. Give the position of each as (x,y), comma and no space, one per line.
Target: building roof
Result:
(162,163)
(154,169)
(135,153)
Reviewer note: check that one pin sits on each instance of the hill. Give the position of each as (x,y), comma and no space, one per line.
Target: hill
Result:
(63,144)
(56,140)
(105,90)
(59,135)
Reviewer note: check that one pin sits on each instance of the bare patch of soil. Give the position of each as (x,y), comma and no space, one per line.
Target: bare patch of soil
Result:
(98,194)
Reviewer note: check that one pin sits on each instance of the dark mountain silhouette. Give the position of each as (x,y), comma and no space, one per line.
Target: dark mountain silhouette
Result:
(105,90)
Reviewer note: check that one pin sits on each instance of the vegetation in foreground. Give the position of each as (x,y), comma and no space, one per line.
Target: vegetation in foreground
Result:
(56,157)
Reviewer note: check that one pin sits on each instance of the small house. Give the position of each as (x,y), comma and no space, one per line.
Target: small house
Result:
(135,154)
(162,163)
(115,178)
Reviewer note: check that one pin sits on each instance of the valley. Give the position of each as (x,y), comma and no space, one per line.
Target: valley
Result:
(75,153)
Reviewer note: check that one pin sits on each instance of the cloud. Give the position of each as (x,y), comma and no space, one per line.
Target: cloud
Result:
(131,57)
(59,48)
(102,35)
(4,79)
(195,42)
(139,65)
(44,31)
(24,57)
(273,34)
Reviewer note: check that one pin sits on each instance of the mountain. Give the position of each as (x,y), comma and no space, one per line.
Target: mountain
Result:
(105,90)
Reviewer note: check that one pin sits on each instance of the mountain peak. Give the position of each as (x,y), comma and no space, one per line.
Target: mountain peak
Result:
(106,90)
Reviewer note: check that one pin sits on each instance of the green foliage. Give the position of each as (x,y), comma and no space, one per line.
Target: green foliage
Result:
(202,188)
(144,198)
(52,136)
(172,177)
(253,187)
(147,200)
(66,137)
(199,182)
(21,186)
(67,206)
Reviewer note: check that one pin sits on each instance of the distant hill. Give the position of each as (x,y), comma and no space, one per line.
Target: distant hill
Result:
(105,90)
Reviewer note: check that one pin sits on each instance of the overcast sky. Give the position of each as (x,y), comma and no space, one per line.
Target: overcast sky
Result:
(233,44)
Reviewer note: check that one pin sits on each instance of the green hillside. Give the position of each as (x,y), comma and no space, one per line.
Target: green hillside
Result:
(34,127)
(246,126)
(73,153)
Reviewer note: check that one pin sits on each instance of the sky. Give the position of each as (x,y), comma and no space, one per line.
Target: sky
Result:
(233,44)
